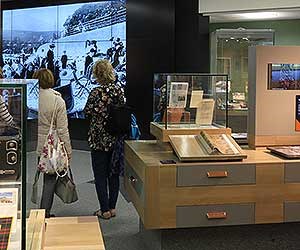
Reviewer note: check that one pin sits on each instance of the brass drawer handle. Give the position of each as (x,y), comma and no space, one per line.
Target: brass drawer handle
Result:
(217,174)
(132,179)
(216,215)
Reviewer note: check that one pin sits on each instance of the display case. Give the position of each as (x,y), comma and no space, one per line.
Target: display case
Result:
(14,111)
(229,55)
(189,103)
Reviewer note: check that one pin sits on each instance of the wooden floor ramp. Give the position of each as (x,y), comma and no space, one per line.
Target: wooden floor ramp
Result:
(35,234)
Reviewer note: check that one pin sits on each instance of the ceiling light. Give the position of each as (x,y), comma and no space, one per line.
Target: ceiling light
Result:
(259,15)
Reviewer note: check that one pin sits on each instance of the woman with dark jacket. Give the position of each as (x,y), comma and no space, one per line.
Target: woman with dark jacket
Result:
(100,140)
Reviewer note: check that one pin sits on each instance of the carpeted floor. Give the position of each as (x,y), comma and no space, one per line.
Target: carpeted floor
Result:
(120,233)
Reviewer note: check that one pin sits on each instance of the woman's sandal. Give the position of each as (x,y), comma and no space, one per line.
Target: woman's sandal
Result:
(103,215)
(113,212)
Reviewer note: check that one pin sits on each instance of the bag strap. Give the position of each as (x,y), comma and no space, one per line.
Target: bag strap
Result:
(65,152)
(71,175)
(53,114)
(35,187)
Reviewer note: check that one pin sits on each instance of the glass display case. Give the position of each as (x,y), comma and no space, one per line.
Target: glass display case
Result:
(14,145)
(229,55)
(189,101)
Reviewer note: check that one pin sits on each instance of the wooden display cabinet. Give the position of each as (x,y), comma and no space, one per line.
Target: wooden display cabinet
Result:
(260,189)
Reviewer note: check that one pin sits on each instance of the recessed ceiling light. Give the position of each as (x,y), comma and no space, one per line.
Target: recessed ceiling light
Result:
(259,15)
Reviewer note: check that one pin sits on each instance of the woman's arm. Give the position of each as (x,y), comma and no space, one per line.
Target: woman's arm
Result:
(4,114)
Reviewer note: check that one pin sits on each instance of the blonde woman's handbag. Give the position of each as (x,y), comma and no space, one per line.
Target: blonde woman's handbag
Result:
(65,188)
(53,158)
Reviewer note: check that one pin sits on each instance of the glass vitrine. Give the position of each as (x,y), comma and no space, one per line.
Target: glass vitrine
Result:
(190,100)
(17,103)
(229,55)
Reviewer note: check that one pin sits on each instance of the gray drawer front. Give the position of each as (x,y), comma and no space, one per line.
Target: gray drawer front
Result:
(197,175)
(291,172)
(137,185)
(291,211)
(196,216)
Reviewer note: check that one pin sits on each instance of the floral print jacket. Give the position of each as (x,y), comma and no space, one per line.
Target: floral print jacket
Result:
(96,110)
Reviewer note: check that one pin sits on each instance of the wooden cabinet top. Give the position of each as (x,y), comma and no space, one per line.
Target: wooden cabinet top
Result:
(151,152)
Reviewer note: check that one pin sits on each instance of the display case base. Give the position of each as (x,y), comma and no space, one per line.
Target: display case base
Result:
(162,134)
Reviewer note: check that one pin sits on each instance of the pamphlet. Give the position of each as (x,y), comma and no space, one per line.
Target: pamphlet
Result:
(196,99)
(204,115)
(178,94)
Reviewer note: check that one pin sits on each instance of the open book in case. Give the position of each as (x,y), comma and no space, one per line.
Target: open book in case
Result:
(206,147)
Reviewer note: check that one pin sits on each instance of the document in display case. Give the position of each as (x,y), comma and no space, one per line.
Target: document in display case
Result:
(187,103)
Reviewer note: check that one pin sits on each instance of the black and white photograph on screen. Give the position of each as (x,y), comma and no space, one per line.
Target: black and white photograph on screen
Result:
(68,40)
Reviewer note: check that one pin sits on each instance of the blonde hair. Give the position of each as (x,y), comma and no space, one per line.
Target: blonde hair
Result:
(104,72)
(45,77)
(1,73)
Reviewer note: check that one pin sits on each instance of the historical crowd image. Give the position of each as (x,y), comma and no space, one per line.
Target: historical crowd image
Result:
(67,40)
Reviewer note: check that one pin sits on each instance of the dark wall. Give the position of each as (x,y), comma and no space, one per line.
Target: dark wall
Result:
(191,38)
(150,48)
(162,36)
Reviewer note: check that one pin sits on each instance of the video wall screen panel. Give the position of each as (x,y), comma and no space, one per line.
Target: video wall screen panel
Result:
(67,39)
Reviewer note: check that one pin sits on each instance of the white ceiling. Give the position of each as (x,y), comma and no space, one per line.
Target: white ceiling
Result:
(254,15)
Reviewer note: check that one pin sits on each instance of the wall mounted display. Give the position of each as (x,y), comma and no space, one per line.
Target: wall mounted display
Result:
(67,39)
(283,76)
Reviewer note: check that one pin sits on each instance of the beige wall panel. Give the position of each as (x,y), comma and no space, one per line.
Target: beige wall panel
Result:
(274,110)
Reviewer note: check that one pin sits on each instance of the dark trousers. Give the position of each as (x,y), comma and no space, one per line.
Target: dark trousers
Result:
(107,184)
(48,192)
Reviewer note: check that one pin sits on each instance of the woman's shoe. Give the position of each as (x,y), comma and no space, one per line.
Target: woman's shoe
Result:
(103,215)
(113,212)
(50,215)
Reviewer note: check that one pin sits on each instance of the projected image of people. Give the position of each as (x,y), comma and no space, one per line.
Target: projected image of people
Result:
(66,39)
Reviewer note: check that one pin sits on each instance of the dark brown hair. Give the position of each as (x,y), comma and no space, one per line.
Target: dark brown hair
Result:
(45,77)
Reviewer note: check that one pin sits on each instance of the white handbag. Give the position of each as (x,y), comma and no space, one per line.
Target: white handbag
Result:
(53,158)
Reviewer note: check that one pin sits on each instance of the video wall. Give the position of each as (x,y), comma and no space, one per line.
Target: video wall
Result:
(68,40)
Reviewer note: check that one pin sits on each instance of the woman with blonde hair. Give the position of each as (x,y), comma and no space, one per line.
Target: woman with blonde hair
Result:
(50,103)
(100,140)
